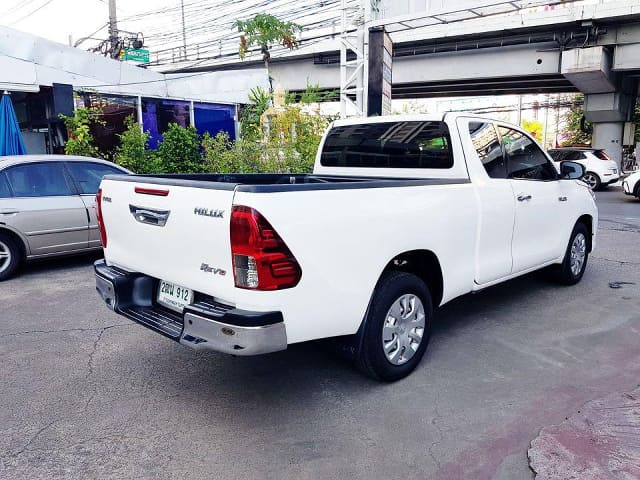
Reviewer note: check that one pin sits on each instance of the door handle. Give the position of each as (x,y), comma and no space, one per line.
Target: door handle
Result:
(562,199)
(524,198)
(8,211)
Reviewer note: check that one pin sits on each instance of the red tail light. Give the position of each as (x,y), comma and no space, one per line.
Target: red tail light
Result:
(261,259)
(103,230)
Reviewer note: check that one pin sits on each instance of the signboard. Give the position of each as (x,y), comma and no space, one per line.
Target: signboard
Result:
(380,72)
(135,55)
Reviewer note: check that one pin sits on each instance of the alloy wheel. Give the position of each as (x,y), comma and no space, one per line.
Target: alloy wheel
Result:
(578,253)
(590,179)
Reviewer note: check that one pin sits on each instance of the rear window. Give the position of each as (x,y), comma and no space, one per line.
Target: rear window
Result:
(600,154)
(389,145)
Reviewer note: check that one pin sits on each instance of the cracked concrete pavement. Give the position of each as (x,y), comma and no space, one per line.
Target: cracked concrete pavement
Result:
(87,394)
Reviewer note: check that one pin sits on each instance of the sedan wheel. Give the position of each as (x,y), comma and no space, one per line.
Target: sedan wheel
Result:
(10,256)
(5,256)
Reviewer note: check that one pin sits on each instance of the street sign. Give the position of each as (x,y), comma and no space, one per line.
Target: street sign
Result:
(136,55)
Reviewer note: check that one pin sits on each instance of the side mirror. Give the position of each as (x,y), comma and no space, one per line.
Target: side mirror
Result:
(571,170)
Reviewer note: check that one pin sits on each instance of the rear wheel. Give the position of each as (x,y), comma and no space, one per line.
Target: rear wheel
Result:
(397,327)
(572,268)
(10,256)
(592,180)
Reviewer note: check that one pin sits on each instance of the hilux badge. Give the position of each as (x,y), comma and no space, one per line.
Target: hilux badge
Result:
(205,212)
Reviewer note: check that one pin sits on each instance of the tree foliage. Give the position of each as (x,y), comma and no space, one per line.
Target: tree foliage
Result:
(534,127)
(577,130)
(79,129)
(264,30)
(250,114)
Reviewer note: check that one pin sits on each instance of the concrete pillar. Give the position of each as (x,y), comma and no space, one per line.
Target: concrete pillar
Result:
(608,137)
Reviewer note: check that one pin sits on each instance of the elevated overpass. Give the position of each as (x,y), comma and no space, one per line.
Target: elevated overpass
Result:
(463,48)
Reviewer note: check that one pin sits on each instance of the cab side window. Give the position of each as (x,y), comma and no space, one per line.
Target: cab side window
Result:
(525,160)
(487,144)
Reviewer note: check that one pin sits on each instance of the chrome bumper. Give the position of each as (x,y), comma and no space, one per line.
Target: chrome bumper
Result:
(202,333)
(204,325)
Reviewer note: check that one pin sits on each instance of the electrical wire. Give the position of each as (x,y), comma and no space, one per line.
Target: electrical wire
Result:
(47,2)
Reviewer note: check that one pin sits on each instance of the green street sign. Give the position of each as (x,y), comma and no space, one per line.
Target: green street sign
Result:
(136,55)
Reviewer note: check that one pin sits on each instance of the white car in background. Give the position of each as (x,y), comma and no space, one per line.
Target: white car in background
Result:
(631,185)
(600,170)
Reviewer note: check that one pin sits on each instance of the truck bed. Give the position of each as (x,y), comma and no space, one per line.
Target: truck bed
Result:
(277,182)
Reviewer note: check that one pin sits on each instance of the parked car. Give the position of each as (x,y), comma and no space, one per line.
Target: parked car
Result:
(600,170)
(631,185)
(401,215)
(47,207)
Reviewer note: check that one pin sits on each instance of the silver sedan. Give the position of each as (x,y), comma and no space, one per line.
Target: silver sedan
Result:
(47,207)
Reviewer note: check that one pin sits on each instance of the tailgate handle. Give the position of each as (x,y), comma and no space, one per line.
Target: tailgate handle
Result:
(149,216)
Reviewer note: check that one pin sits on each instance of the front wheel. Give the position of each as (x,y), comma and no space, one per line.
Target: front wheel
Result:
(397,327)
(572,268)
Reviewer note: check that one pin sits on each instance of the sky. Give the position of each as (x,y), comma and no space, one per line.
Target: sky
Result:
(57,19)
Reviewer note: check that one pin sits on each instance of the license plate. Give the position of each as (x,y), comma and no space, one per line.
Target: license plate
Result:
(174,296)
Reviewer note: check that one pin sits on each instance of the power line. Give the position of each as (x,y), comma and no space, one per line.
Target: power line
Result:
(18,6)
(33,12)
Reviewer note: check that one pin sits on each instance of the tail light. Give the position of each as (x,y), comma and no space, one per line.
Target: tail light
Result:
(261,259)
(103,230)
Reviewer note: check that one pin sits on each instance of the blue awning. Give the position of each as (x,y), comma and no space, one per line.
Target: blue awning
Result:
(11,142)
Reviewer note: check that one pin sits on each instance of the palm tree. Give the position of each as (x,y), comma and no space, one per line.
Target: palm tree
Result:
(264,30)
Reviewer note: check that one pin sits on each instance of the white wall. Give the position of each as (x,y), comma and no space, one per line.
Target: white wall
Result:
(28,62)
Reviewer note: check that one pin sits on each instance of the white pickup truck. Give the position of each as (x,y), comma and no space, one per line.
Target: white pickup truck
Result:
(401,215)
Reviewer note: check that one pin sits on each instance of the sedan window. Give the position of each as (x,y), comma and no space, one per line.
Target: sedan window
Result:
(88,175)
(46,179)
(4,187)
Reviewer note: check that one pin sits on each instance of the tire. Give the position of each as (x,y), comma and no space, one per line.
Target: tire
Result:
(10,256)
(565,273)
(399,333)
(593,180)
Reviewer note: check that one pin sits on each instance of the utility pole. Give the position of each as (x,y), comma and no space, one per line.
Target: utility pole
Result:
(184,31)
(113,30)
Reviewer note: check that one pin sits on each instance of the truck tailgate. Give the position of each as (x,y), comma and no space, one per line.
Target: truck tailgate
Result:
(171,232)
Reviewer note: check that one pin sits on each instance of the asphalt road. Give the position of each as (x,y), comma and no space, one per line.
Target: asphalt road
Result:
(86,394)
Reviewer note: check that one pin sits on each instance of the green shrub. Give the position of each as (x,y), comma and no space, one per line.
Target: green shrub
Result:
(132,152)
(79,129)
(179,151)
(222,155)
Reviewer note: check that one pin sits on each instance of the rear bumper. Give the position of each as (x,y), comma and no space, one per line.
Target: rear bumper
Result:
(204,325)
